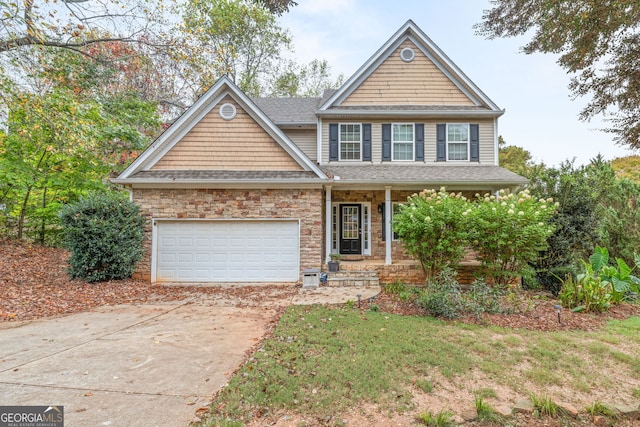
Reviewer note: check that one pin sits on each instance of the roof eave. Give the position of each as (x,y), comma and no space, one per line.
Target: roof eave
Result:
(411,113)
(220,183)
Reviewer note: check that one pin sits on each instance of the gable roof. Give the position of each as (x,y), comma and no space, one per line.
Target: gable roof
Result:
(289,111)
(482,104)
(138,171)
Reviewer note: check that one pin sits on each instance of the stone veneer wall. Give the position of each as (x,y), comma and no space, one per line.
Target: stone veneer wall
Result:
(305,205)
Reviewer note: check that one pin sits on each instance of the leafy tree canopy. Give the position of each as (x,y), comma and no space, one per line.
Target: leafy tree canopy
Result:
(73,24)
(598,42)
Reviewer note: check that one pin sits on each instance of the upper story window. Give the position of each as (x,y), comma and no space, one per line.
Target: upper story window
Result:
(457,141)
(350,141)
(402,137)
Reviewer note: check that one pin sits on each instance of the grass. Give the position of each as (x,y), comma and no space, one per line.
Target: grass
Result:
(545,406)
(485,412)
(599,408)
(326,361)
(441,419)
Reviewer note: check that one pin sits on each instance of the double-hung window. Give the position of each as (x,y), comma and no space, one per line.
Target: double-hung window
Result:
(350,141)
(457,141)
(402,138)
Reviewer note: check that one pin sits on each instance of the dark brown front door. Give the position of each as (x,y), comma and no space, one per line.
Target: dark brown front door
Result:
(350,229)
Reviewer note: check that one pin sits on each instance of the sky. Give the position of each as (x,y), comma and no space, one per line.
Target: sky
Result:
(540,114)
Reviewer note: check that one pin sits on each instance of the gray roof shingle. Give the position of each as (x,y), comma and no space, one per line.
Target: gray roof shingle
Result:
(422,174)
(289,110)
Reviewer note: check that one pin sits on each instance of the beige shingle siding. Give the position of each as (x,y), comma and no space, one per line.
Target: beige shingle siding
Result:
(218,144)
(396,82)
(306,140)
(486,138)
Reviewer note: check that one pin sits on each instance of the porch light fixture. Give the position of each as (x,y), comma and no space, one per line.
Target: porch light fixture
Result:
(380,207)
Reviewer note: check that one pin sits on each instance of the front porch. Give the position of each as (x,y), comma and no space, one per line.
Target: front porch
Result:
(358,228)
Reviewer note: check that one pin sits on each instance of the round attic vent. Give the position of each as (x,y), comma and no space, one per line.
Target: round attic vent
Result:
(227,111)
(407,54)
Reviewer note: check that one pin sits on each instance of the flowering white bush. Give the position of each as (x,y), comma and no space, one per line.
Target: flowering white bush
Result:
(508,231)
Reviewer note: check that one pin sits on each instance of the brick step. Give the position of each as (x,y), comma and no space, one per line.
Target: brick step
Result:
(352,273)
(352,278)
(352,281)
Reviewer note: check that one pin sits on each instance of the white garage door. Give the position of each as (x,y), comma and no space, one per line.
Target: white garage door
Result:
(227,251)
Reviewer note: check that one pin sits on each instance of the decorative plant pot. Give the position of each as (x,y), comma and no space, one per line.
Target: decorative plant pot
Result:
(333,266)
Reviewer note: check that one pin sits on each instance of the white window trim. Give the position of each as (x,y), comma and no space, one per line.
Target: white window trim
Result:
(413,143)
(340,143)
(366,226)
(393,209)
(458,142)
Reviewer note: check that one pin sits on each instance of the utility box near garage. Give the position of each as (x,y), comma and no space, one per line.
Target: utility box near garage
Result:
(310,278)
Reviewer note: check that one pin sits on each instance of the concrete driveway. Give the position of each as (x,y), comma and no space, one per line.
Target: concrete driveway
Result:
(137,365)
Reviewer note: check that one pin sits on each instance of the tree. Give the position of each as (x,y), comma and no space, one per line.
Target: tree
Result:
(627,167)
(576,222)
(516,159)
(65,136)
(599,44)
(236,38)
(75,24)
(306,80)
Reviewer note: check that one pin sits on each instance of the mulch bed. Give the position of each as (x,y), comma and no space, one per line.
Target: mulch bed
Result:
(34,284)
(536,312)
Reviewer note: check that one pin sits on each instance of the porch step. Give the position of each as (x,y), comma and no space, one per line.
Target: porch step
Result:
(352,278)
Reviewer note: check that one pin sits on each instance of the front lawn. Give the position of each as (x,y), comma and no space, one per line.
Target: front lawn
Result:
(344,365)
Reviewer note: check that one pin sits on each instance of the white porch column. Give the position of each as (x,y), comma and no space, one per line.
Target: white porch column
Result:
(328,223)
(387,225)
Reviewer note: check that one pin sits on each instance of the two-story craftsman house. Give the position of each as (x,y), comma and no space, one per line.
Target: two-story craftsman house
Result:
(256,190)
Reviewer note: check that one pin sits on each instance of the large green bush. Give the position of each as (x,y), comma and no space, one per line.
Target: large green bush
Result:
(575,223)
(432,229)
(508,231)
(104,233)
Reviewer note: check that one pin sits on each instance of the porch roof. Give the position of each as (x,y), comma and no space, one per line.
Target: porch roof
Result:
(419,174)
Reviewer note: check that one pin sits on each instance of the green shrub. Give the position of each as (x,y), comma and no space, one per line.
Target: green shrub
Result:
(508,232)
(575,223)
(481,298)
(442,296)
(432,228)
(104,233)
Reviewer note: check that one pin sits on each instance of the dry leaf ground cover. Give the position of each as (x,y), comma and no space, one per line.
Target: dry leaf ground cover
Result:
(34,284)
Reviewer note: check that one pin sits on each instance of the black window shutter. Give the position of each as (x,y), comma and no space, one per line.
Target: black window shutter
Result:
(386,142)
(333,141)
(366,142)
(441,141)
(419,142)
(474,131)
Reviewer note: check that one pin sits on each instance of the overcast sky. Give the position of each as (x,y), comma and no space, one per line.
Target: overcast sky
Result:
(540,114)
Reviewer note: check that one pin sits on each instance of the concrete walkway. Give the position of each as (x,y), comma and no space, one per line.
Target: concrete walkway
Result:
(138,365)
